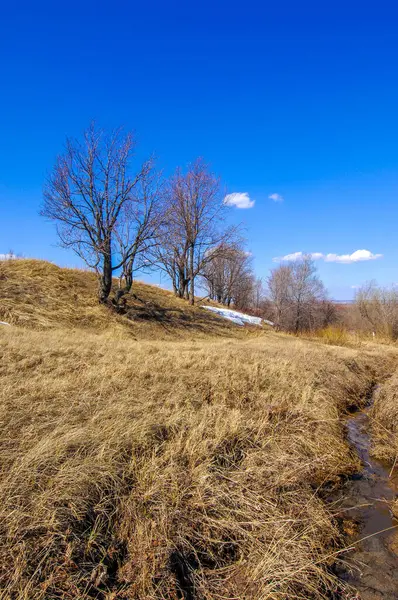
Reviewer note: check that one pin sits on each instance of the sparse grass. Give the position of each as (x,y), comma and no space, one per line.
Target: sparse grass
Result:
(160,469)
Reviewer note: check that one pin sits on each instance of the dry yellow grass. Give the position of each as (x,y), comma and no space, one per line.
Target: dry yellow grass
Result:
(40,295)
(384,415)
(339,335)
(158,469)
(384,423)
(336,336)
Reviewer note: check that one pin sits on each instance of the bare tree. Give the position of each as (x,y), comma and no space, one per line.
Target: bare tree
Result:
(138,228)
(193,227)
(228,276)
(297,294)
(307,291)
(378,309)
(328,314)
(244,292)
(86,194)
(279,286)
(171,254)
(258,294)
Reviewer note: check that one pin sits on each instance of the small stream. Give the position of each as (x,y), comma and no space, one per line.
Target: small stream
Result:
(371,567)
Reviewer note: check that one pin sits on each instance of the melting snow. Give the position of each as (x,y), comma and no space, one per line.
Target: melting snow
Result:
(236,316)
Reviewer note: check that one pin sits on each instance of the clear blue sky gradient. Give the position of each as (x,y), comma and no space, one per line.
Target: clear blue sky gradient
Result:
(299,99)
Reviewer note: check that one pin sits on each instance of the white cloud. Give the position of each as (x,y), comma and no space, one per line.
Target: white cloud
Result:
(276,197)
(357,256)
(289,257)
(298,256)
(239,200)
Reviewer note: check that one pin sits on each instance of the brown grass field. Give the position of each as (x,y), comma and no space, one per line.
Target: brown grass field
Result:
(170,456)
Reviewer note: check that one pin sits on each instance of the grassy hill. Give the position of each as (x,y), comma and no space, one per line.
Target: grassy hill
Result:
(39,295)
(162,460)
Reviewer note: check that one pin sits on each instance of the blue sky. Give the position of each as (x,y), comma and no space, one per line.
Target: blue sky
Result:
(299,100)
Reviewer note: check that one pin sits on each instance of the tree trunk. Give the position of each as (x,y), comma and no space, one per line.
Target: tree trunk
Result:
(297,323)
(181,287)
(128,280)
(191,275)
(278,317)
(105,284)
(128,276)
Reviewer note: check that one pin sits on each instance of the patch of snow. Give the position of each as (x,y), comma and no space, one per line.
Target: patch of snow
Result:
(8,256)
(236,316)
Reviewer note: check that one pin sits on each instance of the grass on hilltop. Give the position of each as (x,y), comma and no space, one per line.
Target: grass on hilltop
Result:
(39,295)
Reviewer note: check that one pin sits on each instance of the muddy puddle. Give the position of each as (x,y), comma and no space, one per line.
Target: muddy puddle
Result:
(364,505)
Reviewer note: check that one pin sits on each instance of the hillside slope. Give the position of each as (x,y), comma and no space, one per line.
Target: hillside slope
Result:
(40,295)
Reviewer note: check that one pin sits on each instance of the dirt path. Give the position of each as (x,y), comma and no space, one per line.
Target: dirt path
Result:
(371,567)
